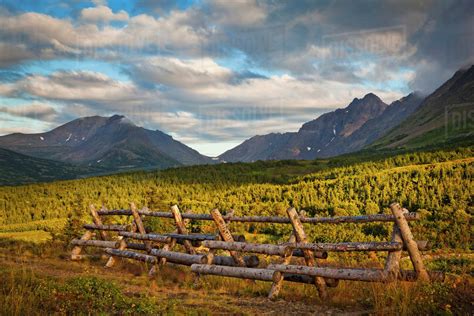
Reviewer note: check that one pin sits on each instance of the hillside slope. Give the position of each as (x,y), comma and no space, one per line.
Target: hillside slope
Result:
(16,168)
(445,117)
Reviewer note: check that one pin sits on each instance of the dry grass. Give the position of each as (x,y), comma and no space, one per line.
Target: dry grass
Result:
(30,274)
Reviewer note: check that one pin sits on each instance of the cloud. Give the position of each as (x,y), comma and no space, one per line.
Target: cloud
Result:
(80,86)
(37,111)
(103,13)
(240,13)
(225,70)
(206,106)
(11,54)
(175,72)
(40,32)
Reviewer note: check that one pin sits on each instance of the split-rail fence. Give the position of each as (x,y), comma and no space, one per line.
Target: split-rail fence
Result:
(201,250)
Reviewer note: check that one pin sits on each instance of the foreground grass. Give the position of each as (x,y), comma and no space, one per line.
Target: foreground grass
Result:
(39,279)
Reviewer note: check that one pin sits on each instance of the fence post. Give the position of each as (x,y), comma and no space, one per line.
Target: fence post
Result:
(122,246)
(181,228)
(278,278)
(308,254)
(98,221)
(410,242)
(76,251)
(392,263)
(139,224)
(226,235)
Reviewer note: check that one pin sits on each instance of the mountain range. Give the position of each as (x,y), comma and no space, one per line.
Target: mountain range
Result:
(98,145)
(334,133)
(445,116)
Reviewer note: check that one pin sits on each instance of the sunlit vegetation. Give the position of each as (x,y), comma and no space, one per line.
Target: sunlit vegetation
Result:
(37,222)
(38,279)
(438,185)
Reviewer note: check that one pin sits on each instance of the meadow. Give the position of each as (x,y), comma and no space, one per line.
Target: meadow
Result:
(37,221)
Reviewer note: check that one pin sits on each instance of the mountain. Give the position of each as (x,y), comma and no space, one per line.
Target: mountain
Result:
(16,168)
(444,118)
(317,137)
(113,143)
(323,136)
(377,127)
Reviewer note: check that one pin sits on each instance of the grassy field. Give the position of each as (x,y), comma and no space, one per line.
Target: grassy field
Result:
(40,279)
(39,220)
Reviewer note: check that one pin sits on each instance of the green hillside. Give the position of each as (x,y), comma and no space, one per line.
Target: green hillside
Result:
(438,184)
(445,118)
(16,169)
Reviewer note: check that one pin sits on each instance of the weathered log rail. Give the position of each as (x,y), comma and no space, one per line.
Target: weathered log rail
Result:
(270,219)
(134,242)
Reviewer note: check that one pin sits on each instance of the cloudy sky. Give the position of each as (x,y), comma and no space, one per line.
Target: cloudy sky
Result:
(213,73)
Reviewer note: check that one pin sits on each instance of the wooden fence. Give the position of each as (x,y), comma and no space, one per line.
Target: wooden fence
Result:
(135,242)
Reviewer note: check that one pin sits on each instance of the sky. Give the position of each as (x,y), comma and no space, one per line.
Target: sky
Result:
(213,73)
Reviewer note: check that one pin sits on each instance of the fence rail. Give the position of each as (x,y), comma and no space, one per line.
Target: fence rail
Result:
(158,248)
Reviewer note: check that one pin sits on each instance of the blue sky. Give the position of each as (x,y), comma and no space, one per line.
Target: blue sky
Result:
(213,73)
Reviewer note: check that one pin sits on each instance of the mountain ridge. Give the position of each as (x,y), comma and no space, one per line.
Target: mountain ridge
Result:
(313,138)
(414,121)
(112,142)
(446,114)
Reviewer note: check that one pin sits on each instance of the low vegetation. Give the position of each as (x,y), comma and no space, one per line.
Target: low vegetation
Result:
(438,185)
(38,279)
(38,220)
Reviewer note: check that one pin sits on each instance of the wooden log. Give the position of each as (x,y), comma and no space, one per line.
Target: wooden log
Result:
(180,258)
(274,250)
(317,254)
(308,254)
(131,255)
(278,281)
(76,251)
(250,261)
(106,227)
(149,237)
(139,223)
(194,243)
(98,221)
(368,275)
(226,235)
(392,263)
(182,229)
(357,219)
(273,219)
(409,242)
(348,246)
(301,278)
(94,243)
(234,272)
(167,247)
(135,246)
(191,237)
(122,246)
